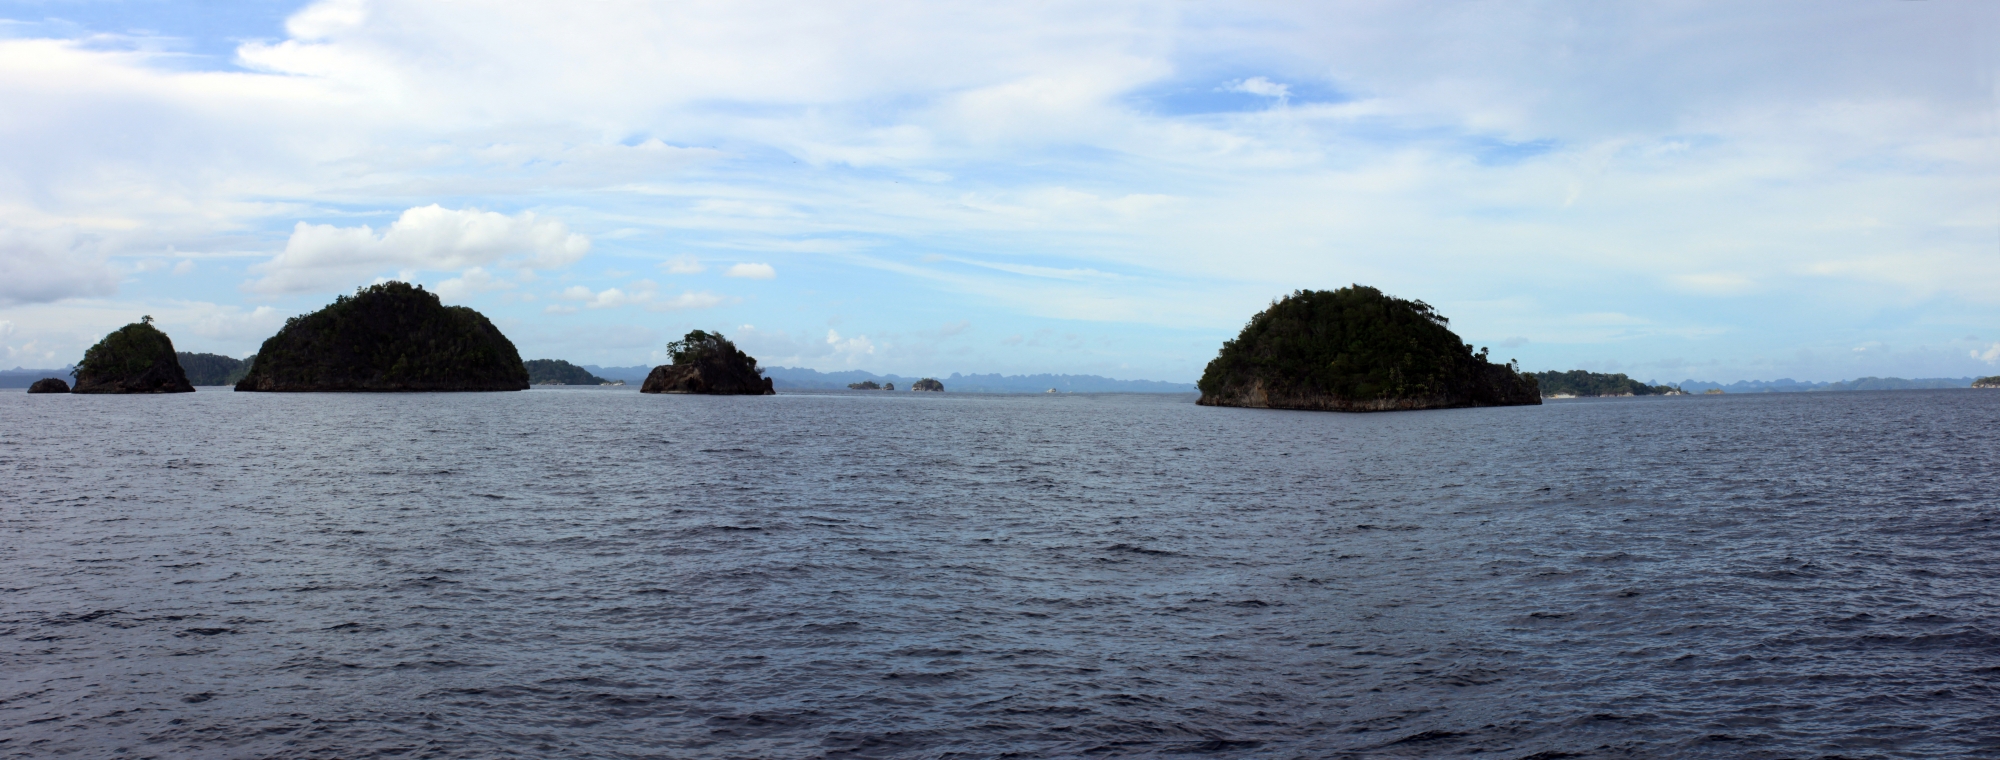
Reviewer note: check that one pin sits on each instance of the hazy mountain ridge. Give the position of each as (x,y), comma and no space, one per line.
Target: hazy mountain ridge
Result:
(800,378)
(1788,385)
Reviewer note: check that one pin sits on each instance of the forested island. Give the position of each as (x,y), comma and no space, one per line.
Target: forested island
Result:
(388,337)
(1357,349)
(1580,384)
(1987,382)
(212,369)
(929,384)
(136,358)
(707,363)
(559,372)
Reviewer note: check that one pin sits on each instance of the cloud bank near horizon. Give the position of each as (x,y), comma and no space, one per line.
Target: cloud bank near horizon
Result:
(1692,189)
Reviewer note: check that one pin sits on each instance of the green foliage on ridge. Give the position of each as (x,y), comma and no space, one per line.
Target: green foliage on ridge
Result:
(1355,343)
(1577,382)
(388,337)
(212,369)
(559,372)
(128,350)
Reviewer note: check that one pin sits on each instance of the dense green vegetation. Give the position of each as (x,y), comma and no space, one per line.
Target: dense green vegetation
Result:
(865,385)
(1987,382)
(1577,382)
(559,372)
(706,362)
(927,384)
(212,369)
(128,350)
(388,337)
(1356,348)
(136,358)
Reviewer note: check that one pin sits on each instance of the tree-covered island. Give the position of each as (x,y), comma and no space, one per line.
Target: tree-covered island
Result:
(389,337)
(707,363)
(559,372)
(1580,384)
(136,358)
(212,369)
(1987,382)
(1357,349)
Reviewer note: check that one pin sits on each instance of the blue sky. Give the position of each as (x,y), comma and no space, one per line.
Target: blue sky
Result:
(1708,190)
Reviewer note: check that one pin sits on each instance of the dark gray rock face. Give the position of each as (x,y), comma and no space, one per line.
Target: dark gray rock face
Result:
(136,358)
(49,385)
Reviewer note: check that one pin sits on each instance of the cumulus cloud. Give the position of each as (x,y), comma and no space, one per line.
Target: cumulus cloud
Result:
(470,283)
(321,257)
(1261,86)
(1991,355)
(609,298)
(683,265)
(850,348)
(40,267)
(752,271)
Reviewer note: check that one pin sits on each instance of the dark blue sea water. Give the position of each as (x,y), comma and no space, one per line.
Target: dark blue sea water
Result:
(600,573)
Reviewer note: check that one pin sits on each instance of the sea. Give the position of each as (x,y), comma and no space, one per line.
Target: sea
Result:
(598,573)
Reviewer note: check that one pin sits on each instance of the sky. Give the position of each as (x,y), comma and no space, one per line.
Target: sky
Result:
(1675,190)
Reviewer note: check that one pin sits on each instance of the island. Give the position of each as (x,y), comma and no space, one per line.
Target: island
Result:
(1987,382)
(866,385)
(212,369)
(1357,349)
(136,358)
(1577,383)
(927,384)
(707,363)
(559,372)
(49,385)
(391,337)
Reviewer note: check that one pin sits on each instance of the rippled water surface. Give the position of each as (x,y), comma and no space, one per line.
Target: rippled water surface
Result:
(600,573)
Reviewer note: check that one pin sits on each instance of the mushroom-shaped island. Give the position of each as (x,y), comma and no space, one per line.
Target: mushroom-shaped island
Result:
(388,337)
(706,362)
(49,385)
(1357,350)
(136,358)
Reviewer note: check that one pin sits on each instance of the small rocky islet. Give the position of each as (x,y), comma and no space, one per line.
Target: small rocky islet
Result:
(49,385)
(388,337)
(1357,349)
(708,363)
(136,358)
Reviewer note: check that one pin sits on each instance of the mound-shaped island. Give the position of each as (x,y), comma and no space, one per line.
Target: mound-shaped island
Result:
(559,372)
(1987,382)
(389,337)
(927,384)
(49,385)
(1357,350)
(136,358)
(706,362)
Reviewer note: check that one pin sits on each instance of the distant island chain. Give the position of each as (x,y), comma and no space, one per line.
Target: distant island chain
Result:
(1355,349)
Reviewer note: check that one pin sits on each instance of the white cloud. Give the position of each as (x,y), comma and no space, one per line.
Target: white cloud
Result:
(850,348)
(683,265)
(1261,86)
(609,298)
(39,267)
(1991,355)
(689,300)
(321,257)
(470,283)
(752,271)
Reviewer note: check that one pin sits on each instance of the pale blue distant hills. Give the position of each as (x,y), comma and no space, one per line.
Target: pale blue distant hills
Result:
(1788,385)
(800,378)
